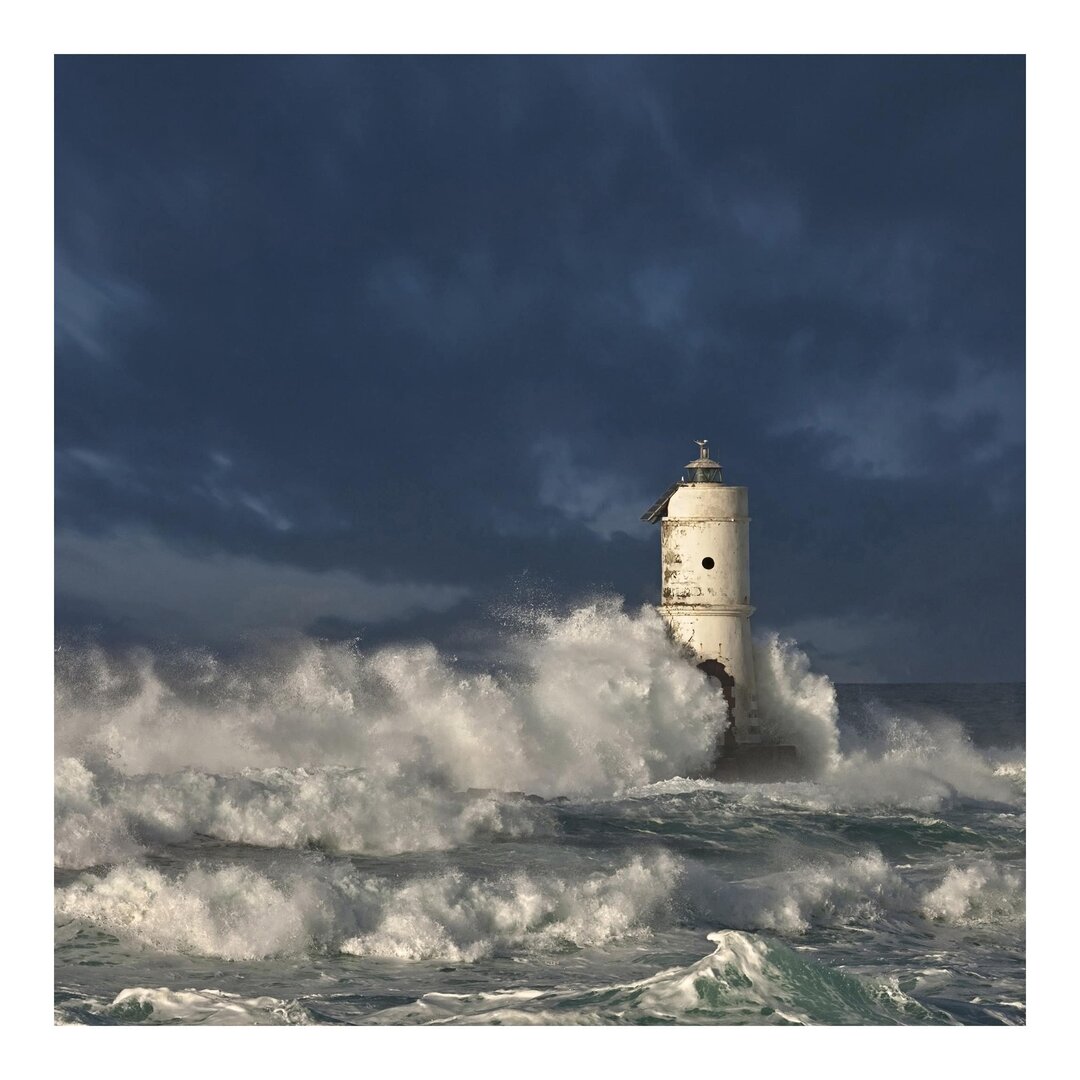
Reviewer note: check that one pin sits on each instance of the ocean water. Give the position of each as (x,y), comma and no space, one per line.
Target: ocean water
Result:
(316,834)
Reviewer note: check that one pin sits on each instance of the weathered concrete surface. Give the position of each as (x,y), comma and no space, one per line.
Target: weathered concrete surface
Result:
(705,585)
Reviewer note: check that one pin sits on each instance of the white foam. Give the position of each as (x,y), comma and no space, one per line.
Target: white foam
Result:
(861,889)
(452,918)
(979,892)
(214,1008)
(919,764)
(108,817)
(911,765)
(86,832)
(240,914)
(235,912)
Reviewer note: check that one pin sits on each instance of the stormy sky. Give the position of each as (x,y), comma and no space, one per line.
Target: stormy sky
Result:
(366,346)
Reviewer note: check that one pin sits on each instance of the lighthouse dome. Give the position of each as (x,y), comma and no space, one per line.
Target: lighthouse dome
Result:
(704,470)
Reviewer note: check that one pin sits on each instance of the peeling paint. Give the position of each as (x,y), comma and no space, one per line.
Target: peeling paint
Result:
(705,590)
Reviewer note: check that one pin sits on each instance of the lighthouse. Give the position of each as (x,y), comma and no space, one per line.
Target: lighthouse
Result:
(705,601)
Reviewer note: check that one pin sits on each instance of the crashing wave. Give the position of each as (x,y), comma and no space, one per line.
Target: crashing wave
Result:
(103,816)
(237,913)
(745,980)
(599,700)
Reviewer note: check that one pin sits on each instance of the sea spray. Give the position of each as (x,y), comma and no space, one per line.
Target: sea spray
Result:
(603,700)
(797,706)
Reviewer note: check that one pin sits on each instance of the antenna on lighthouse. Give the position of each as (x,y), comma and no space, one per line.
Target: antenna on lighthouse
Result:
(703,448)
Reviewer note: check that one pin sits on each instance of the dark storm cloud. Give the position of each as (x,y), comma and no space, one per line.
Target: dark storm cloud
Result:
(435,322)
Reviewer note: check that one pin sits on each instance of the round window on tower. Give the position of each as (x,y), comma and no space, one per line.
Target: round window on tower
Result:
(707,563)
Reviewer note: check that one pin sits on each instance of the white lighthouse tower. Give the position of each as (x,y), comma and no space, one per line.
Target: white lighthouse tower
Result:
(705,599)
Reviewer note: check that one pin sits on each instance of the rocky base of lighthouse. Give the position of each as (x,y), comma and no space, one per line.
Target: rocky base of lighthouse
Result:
(757,763)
